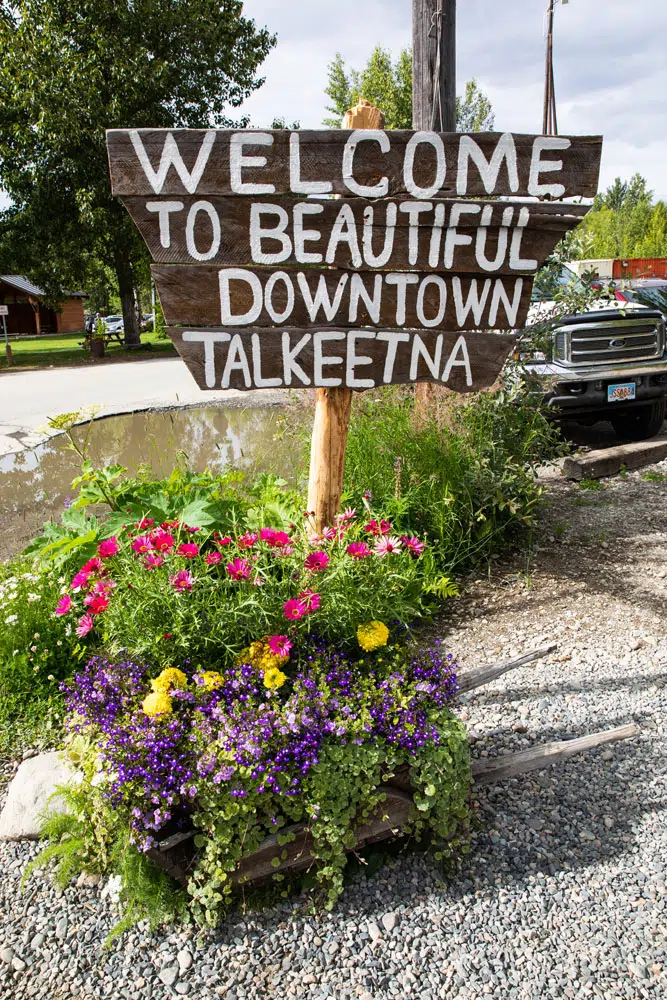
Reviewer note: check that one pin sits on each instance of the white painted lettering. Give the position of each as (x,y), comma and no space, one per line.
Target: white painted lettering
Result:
(454,239)
(297,185)
(320,360)
(209,340)
(482,233)
(229,318)
(392,340)
(171,156)
(401,281)
(511,308)
(344,231)
(413,209)
(354,359)
(278,232)
(259,381)
(236,361)
(411,186)
(290,365)
(195,209)
(452,362)
(320,299)
(488,170)
(432,279)
(516,261)
(164,209)
(475,303)
(238,160)
(436,235)
(539,166)
(279,317)
(379,190)
(420,351)
(358,291)
(303,236)
(381,259)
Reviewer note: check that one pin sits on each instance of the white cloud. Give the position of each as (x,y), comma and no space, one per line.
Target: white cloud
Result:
(611,74)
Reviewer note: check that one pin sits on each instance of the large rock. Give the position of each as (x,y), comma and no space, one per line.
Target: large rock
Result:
(29,795)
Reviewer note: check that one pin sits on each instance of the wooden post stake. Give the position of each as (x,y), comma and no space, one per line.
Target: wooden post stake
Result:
(333,406)
(433,102)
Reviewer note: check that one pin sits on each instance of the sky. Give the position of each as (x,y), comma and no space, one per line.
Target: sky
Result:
(610,67)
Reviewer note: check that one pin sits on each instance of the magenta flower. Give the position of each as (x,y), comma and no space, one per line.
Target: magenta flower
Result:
(80,580)
(213,558)
(387,544)
(96,603)
(141,544)
(279,645)
(239,569)
(188,549)
(310,600)
(330,534)
(294,609)
(64,605)
(372,528)
(152,560)
(109,547)
(93,565)
(413,545)
(162,541)
(145,523)
(248,540)
(221,542)
(358,550)
(274,539)
(348,515)
(316,561)
(183,580)
(86,625)
(102,587)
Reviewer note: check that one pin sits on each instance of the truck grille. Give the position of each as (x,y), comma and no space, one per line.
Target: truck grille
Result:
(628,340)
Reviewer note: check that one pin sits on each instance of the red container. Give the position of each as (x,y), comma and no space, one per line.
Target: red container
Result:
(640,267)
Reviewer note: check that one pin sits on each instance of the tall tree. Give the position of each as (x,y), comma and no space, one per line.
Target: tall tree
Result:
(388,85)
(69,69)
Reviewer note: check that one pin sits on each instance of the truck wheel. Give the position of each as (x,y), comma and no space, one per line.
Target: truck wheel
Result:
(641,423)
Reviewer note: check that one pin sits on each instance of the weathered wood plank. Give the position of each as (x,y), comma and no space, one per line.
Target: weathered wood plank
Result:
(353,359)
(377,164)
(511,765)
(270,297)
(504,237)
(484,675)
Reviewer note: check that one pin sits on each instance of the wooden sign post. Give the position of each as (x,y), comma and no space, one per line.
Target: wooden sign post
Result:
(267,280)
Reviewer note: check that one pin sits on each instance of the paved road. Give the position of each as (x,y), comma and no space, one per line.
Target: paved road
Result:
(28,399)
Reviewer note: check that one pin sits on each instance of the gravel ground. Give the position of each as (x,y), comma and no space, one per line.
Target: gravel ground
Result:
(564,891)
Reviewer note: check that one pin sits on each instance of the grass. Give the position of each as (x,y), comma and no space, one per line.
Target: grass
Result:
(654,477)
(65,349)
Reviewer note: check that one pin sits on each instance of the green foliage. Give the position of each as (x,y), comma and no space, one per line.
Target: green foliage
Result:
(387,84)
(624,222)
(68,74)
(464,478)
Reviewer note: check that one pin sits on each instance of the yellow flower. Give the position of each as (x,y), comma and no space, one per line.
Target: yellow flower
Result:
(158,703)
(274,678)
(169,679)
(212,680)
(372,635)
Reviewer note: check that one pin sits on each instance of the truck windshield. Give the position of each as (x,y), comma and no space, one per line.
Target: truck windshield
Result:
(550,279)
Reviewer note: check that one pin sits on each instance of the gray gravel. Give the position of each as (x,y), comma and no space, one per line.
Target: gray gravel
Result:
(564,891)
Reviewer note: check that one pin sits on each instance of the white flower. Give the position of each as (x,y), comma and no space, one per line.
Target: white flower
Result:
(34,597)
(11,619)
(113,888)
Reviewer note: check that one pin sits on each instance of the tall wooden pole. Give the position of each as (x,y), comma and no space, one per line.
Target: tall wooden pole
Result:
(333,406)
(549,120)
(433,98)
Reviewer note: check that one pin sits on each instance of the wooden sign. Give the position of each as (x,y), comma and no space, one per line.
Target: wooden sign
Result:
(355,359)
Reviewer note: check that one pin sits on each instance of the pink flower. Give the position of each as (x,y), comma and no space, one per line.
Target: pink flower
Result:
(102,587)
(386,545)
(315,538)
(413,545)
(310,600)
(274,539)
(162,541)
(96,603)
(144,523)
(86,625)
(330,534)
(248,540)
(80,579)
(64,605)
(316,561)
(358,550)
(183,580)
(152,561)
(141,544)
(188,549)
(239,569)
(109,547)
(213,558)
(93,565)
(373,528)
(348,515)
(294,609)
(279,645)
(221,542)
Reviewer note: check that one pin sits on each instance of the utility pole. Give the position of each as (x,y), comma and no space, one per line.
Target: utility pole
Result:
(434,65)
(433,99)
(549,119)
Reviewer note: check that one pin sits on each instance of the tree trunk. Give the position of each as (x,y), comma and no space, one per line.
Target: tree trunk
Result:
(128,308)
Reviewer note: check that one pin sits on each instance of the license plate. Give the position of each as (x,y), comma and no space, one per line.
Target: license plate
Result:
(619,393)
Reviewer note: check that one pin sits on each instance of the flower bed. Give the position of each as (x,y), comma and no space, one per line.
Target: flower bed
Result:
(254,684)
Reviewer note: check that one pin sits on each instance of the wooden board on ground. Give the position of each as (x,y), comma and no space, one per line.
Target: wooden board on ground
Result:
(270,297)
(353,359)
(498,237)
(367,163)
